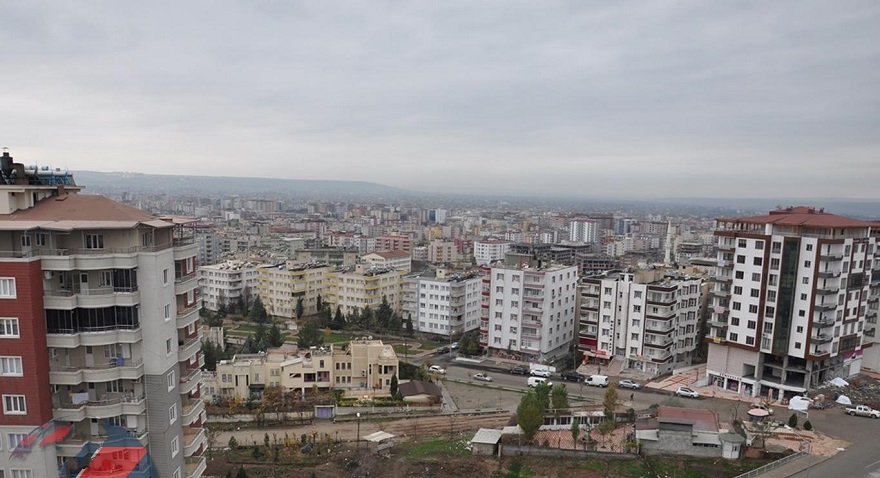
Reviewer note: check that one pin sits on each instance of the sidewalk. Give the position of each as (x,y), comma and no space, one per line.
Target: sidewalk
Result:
(795,467)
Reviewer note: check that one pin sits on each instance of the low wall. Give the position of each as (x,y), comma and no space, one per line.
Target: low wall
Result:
(515,450)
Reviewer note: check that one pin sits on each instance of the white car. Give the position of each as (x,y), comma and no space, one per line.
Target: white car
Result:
(540,373)
(628,384)
(686,392)
(437,369)
(482,377)
(454,345)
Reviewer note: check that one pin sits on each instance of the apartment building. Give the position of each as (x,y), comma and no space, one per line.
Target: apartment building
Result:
(281,286)
(227,282)
(583,230)
(790,301)
(487,251)
(336,257)
(442,302)
(399,260)
(647,318)
(98,322)
(530,312)
(361,286)
(440,252)
(394,242)
(364,368)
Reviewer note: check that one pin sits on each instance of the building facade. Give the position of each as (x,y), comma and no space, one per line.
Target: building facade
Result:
(282,286)
(227,283)
(99,306)
(649,319)
(789,306)
(487,251)
(399,260)
(361,286)
(530,312)
(443,303)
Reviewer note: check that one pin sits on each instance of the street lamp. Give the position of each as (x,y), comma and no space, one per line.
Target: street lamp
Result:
(358,437)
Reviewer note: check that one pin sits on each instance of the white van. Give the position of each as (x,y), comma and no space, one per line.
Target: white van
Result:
(597,380)
(534,381)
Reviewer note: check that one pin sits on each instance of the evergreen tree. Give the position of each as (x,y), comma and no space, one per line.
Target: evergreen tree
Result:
(325,318)
(542,392)
(309,335)
(384,314)
(575,432)
(409,326)
(338,320)
(394,386)
(319,304)
(258,311)
(611,401)
(300,308)
(274,337)
(559,398)
(529,415)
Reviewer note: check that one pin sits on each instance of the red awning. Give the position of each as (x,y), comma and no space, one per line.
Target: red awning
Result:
(56,436)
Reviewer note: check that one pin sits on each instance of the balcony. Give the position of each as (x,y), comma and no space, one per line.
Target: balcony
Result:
(94,337)
(721,291)
(190,381)
(110,405)
(726,246)
(91,298)
(829,274)
(821,339)
(63,260)
(724,278)
(658,328)
(185,248)
(195,466)
(193,439)
(186,283)
(823,322)
(825,307)
(828,289)
(830,256)
(118,369)
(184,312)
(192,410)
(186,350)
(530,347)
(73,445)
(658,345)
(724,263)
(189,317)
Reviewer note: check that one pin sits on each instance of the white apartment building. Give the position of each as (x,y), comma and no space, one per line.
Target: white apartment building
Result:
(487,251)
(99,310)
(227,282)
(398,260)
(443,303)
(648,318)
(531,312)
(791,301)
(583,230)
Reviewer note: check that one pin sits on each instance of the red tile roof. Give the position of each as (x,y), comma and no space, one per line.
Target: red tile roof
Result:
(77,207)
(704,420)
(801,216)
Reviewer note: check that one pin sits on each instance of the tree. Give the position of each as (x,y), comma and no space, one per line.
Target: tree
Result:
(384,315)
(605,428)
(808,426)
(469,343)
(575,432)
(241,473)
(529,415)
(258,312)
(233,443)
(409,326)
(319,304)
(326,318)
(793,420)
(273,337)
(309,335)
(559,398)
(611,401)
(212,354)
(394,386)
(542,391)
(338,322)
(300,308)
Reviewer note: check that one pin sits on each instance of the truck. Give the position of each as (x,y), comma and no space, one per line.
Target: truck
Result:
(863,411)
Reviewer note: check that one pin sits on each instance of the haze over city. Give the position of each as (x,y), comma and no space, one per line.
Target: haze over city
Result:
(642,99)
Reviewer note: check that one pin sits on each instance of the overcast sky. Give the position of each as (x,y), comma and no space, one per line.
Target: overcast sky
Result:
(611,98)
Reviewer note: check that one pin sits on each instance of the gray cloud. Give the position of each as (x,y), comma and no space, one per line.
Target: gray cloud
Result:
(619,99)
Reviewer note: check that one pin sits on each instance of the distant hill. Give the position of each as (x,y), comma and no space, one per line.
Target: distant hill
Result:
(101,182)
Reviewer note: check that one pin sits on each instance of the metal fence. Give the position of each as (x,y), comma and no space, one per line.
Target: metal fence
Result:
(773,465)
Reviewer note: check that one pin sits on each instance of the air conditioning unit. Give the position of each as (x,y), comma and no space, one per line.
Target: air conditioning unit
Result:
(48,275)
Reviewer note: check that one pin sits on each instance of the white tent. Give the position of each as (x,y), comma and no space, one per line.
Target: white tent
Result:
(844,400)
(799,403)
(839,382)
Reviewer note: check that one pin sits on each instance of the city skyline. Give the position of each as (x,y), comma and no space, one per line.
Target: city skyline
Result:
(639,100)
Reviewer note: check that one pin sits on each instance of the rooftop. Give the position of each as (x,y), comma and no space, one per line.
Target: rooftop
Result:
(800,216)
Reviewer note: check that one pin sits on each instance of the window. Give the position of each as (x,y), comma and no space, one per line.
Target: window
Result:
(803,296)
(752,325)
(776,248)
(7,287)
(771,296)
(739,274)
(738,290)
(10,367)
(737,306)
(170,379)
(13,439)
(637,308)
(8,328)
(774,264)
(750,340)
(800,329)
(175,446)
(168,346)
(755,292)
(172,414)
(167,312)
(753,309)
(758,261)
(176,473)
(806,280)
(94,241)
(741,243)
(740,259)
(797,345)
(14,405)
(807,263)
(22,474)
(759,245)
(733,337)
(756,277)
(809,247)
(165,276)
(734,321)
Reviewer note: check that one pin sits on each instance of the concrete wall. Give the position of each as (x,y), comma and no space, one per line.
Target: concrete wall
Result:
(676,442)
(162,431)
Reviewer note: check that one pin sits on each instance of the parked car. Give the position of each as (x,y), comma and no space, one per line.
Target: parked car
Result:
(442,350)
(540,372)
(686,392)
(863,411)
(761,406)
(454,345)
(628,384)
(534,381)
(520,370)
(482,377)
(437,369)
(597,381)
(572,376)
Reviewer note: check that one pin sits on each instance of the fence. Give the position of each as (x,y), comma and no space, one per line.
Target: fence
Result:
(773,465)
(514,450)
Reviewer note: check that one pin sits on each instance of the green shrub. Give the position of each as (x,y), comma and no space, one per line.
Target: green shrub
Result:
(808,426)
(793,420)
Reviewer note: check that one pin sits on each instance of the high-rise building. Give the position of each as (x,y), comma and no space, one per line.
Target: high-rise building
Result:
(98,325)
(487,251)
(226,283)
(443,303)
(361,286)
(531,312)
(790,301)
(648,318)
(583,230)
(282,286)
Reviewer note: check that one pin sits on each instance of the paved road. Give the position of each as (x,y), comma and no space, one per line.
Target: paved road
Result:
(860,459)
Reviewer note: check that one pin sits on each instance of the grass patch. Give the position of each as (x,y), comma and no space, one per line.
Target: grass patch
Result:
(436,446)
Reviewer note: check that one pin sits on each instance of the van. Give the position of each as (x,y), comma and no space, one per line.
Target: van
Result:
(534,381)
(597,380)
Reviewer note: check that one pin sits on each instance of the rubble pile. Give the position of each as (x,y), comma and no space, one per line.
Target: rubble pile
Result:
(861,390)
